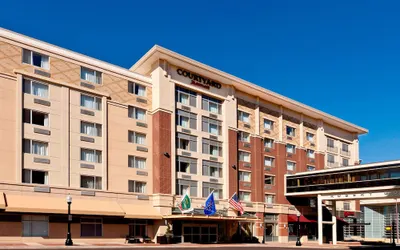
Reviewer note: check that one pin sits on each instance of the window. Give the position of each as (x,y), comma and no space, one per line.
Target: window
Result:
(345,147)
(211,147)
(310,137)
(213,169)
(186,119)
(36,88)
(244,196)
(269,198)
(211,104)
(91,155)
(243,116)
(268,124)
(186,186)
(346,205)
(186,97)
(90,75)
(137,89)
(90,102)
(186,165)
(310,154)
(92,182)
(35,177)
(35,226)
(36,147)
(137,187)
(330,143)
(245,176)
(91,227)
(310,168)
(186,142)
(244,137)
(244,156)
(36,117)
(290,131)
(35,59)
(345,162)
(268,143)
(136,162)
(211,126)
(209,187)
(291,166)
(138,228)
(331,158)
(135,137)
(269,180)
(290,149)
(137,113)
(89,128)
(268,161)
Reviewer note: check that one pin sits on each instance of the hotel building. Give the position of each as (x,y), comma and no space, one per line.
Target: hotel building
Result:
(127,143)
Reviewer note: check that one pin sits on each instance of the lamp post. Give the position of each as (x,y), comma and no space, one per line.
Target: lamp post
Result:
(298,243)
(263,225)
(69,242)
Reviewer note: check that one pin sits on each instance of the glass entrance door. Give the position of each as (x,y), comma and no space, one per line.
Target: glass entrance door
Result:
(200,233)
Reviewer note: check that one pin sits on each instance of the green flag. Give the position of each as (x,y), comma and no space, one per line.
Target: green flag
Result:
(186,204)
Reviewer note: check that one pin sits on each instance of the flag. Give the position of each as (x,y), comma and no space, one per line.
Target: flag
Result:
(185,205)
(235,203)
(209,206)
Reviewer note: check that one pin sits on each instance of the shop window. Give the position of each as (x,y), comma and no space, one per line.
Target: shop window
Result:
(138,228)
(91,227)
(35,226)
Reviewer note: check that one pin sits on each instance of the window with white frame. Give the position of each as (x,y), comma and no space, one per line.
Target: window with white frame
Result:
(185,96)
(91,227)
(137,89)
(90,102)
(268,161)
(310,137)
(310,154)
(345,162)
(186,119)
(36,88)
(211,147)
(210,187)
(136,162)
(269,198)
(290,131)
(35,225)
(36,117)
(36,147)
(92,182)
(35,176)
(212,169)
(211,104)
(345,147)
(269,180)
(244,137)
(35,59)
(186,165)
(137,187)
(186,142)
(346,206)
(268,124)
(291,166)
(91,155)
(331,158)
(138,228)
(185,186)
(310,168)
(245,176)
(330,142)
(244,156)
(211,126)
(244,196)
(290,149)
(137,113)
(90,128)
(268,143)
(136,137)
(243,116)
(90,75)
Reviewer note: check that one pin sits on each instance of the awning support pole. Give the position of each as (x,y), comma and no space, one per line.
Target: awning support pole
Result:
(334,223)
(320,232)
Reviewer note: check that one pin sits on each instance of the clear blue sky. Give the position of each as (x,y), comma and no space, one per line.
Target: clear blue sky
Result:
(342,57)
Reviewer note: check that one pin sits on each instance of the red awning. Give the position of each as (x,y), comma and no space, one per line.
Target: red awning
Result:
(293,218)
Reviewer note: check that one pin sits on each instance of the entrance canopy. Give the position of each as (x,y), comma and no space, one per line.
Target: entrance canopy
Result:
(302,219)
(204,217)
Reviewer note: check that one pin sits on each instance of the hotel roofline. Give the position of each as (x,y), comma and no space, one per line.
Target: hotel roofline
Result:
(144,64)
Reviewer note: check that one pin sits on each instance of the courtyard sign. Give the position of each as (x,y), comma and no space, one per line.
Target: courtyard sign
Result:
(199,80)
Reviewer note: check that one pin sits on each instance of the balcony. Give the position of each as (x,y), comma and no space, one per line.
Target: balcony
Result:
(332,164)
(332,149)
(345,152)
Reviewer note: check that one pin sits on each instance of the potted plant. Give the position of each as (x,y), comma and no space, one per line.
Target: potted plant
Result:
(169,234)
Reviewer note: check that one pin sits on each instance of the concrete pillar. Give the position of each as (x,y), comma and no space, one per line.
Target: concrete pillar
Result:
(334,223)
(320,232)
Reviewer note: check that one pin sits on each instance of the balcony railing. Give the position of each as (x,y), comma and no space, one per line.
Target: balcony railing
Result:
(345,152)
(332,149)
(332,164)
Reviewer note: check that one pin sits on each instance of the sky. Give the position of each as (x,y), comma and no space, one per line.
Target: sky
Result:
(341,57)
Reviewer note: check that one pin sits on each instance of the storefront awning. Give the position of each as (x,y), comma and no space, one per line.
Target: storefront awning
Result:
(45,204)
(302,219)
(2,201)
(204,217)
(134,211)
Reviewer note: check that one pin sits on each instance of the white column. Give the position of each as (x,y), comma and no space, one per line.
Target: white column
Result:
(280,124)
(257,117)
(302,130)
(319,206)
(334,223)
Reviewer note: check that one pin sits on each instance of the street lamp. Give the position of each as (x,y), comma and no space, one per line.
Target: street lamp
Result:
(69,242)
(298,243)
(263,225)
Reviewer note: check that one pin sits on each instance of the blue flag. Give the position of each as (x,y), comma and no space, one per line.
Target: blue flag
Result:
(209,206)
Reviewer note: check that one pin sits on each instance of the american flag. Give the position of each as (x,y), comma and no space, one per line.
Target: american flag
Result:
(235,203)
